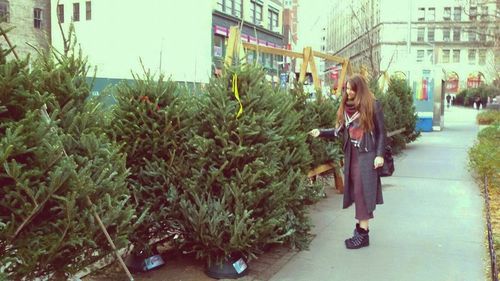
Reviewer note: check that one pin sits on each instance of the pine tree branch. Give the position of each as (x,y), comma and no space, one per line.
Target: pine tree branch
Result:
(4,34)
(46,117)
(110,241)
(34,212)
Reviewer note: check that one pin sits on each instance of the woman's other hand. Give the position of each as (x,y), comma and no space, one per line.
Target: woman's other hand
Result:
(314,133)
(378,162)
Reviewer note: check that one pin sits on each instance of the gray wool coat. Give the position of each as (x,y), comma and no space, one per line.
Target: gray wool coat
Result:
(372,144)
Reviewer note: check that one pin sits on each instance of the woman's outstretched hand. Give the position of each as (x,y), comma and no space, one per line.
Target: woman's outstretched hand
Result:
(314,133)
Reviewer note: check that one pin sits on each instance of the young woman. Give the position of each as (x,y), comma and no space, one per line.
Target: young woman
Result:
(360,122)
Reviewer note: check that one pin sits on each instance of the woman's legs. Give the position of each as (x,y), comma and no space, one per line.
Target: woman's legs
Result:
(363,224)
(360,238)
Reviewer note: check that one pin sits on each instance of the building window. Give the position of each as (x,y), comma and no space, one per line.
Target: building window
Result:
(420,55)
(421,14)
(431,15)
(37,18)
(430,55)
(76,11)
(482,35)
(447,13)
(472,34)
(430,34)
(256,12)
(446,56)
(472,56)
(484,12)
(88,10)
(456,56)
(473,13)
(220,5)
(60,13)
(219,46)
(482,56)
(232,7)
(237,8)
(457,13)
(420,34)
(273,20)
(4,11)
(446,34)
(228,6)
(456,34)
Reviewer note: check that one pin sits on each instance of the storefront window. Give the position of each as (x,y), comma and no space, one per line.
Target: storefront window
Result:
(218,46)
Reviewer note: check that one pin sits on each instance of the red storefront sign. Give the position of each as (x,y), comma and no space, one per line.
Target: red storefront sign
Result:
(474,82)
(452,86)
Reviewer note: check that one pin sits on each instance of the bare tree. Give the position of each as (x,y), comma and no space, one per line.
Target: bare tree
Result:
(366,28)
(485,28)
(367,36)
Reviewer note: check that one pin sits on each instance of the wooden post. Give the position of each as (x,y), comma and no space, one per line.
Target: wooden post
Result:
(235,48)
(338,181)
(232,41)
(314,72)
(305,62)
(110,241)
(4,34)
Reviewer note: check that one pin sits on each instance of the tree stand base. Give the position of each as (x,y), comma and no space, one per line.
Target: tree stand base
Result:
(231,268)
(140,264)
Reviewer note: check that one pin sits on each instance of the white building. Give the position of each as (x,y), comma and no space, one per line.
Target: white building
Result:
(31,22)
(456,37)
(168,36)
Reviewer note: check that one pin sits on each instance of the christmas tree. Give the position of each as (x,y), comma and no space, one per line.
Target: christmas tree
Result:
(248,162)
(399,88)
(151,121)
(399,112)
(319,113)
(52,159)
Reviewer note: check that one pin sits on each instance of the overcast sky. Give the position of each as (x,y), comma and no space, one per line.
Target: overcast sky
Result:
(312,16)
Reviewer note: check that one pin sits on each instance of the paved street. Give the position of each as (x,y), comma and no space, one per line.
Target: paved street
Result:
(431,226)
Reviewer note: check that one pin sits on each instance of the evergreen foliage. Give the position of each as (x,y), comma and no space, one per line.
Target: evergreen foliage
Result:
(247,174)
(484,154)
(320,112)
(151,120)
(399,112)
(49,164)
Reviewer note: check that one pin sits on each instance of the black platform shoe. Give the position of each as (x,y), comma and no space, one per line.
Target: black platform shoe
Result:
(360,239)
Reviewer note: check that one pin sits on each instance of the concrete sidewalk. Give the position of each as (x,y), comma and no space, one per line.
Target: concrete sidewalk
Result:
(431,226)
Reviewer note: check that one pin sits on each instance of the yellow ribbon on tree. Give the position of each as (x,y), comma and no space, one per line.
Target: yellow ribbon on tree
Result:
(237,95)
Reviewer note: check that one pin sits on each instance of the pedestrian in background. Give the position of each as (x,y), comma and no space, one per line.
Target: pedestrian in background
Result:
(360,123)
(477,102)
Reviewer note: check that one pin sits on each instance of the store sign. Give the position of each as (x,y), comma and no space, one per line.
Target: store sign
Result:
(473,82)
(221,30)
(452,86)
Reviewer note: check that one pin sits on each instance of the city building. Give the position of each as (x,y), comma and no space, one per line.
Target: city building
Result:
(261,23)
(459,38)
(124,37)
(290,23)
(30,20)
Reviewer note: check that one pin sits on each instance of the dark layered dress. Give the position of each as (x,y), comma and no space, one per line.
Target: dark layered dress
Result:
(362,184)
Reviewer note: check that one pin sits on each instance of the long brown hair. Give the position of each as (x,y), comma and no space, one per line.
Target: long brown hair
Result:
(363,101)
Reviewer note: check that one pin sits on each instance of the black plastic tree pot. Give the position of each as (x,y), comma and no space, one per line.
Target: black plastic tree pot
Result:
(232,267)
(142,263)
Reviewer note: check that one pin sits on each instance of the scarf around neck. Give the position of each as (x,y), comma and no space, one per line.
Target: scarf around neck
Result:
(350,108)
